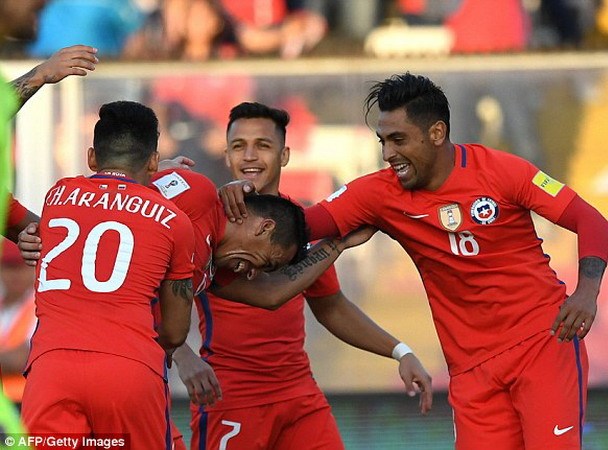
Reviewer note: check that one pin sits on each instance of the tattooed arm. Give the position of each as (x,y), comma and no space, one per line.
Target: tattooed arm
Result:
(271,290)
(175,297)
(75,60)
(577,313)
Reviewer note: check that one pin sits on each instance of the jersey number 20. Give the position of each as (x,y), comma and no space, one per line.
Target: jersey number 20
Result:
(89,256)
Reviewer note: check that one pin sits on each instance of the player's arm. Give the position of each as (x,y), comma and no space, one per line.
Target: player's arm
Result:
(13,360)
(179,162)
(347,322)
(75,60)
(19,218)
(271,290)
(578,312)
(175,298)
(197,375)
(319,220)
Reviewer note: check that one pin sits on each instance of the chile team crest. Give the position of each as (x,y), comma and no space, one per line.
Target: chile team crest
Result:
(484,210)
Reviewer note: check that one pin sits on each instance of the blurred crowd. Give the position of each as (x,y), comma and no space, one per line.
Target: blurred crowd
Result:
(199,30)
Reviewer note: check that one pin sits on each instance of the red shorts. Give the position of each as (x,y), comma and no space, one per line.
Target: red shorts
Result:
(531,396)
(71,392)
(302,423)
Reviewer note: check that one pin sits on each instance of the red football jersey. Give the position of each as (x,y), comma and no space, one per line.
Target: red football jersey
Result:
(258,355)
(488,282)
(108,244)
(196,195)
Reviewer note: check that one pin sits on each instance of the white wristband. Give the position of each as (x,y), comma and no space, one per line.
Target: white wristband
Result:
(400,351)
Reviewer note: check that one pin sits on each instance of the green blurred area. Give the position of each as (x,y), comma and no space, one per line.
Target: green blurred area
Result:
(390,421)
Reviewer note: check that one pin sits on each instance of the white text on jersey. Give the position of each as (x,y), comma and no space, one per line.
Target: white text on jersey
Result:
(118,201)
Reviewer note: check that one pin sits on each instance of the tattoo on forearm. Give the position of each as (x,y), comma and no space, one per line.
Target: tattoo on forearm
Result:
(332,244)
(23,88)
(592,267)
(292,272)
(182,288)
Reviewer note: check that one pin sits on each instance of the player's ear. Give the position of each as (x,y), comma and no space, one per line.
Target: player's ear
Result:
(153,163)
(437,132)
(285,156)
(226,159)
(91,159)
(265,227)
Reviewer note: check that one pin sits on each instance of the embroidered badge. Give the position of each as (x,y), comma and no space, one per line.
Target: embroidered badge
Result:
(450,217)
(484,210)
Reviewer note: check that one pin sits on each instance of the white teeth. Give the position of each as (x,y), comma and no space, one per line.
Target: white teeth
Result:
(251,170)
(400,167)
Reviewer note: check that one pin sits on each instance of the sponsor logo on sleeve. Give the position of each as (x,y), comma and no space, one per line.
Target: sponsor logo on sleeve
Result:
(336,194)
(547,184)
(171,185)
(484,210)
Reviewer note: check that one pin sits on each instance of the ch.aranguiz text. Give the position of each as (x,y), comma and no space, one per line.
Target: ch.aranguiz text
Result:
(117,201)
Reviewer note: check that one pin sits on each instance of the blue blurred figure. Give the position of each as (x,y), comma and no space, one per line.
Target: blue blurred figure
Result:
(103,24)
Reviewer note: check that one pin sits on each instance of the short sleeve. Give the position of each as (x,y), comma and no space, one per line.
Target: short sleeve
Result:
(533,189)
(192,192)
(182,257)
(351,206)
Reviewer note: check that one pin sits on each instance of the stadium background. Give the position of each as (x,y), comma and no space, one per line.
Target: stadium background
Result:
(549,108)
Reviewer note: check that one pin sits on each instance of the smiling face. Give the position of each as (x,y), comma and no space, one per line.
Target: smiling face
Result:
(256,152)
(247,249)
(416,155)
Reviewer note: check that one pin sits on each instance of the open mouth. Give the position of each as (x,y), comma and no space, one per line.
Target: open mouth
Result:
(251,172)
(401,169)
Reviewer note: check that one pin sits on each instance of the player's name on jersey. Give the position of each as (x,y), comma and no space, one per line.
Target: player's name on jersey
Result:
(117,201)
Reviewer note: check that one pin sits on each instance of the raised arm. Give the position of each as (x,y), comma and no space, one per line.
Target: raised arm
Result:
(347,322)
(75,60)
(271,290)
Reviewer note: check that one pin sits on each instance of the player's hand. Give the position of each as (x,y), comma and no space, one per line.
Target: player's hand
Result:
(198,377)
(416,379)
(233,197)
(179,162)
(30,244)
(358,237)
(575,317)
(75,60)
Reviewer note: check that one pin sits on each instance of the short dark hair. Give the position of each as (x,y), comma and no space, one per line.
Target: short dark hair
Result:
(290,222)
(126,135)
(255,110)
(424,101)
